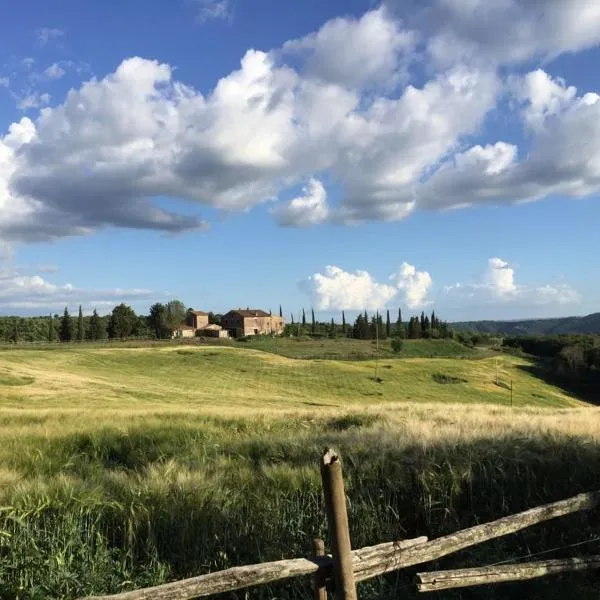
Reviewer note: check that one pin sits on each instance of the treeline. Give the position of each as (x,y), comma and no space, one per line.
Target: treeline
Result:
(370,327)
(573,356)
(121,323)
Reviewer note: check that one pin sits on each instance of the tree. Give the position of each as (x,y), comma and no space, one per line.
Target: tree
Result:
(50,328)
(66,327)
(97,328)
(313,326)
(122,321)
(292,315)
(397,345)
(174,314)
(80,326)
(388,325)
(280,311)
(156,321)
(422,323)
(343,323)
(303,317)
(414,329)
(399,330)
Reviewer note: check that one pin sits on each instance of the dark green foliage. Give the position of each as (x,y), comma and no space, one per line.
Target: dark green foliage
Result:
(174,314)
(66,327)
(444,379)
(51,332)
(280,311)
(122,322)
(388,325)
(97,330)
(344,327)
(157,323)
(303,317)
(313,324)
(397,345)
(80,326)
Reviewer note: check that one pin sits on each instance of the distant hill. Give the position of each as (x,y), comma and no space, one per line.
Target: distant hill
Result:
(588,324)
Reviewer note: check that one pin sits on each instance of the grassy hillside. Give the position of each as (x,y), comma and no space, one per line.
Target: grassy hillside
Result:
(210,376)
(127,467)
(566,325)
(351,349)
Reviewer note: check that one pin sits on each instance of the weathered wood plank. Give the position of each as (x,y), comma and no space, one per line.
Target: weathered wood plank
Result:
(337,523)
(249,575)
(367,562)
(445,580)
(387,558)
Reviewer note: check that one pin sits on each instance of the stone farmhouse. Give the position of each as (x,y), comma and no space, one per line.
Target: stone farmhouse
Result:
(240,323)
(236,323)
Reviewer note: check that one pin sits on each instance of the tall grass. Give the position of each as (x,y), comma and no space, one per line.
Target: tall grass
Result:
(101,502)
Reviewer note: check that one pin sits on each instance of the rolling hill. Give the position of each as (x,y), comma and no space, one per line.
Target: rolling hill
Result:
(565,325)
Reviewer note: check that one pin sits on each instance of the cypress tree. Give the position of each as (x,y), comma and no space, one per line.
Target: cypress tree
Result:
(388,325)
(313,324)
(50,328)
(365,334)
(280,311)
(303,317)
(399,329)
(97,331)
(66,327)
(343,323)
(80,327)
(292,315)
(422,322)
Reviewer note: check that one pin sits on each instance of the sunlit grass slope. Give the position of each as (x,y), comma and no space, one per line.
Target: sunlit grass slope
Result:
(224,377)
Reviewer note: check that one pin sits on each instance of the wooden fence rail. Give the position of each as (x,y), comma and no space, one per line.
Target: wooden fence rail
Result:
(372,561)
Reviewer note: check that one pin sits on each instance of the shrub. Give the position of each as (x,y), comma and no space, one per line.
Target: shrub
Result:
(443,378)
(397,345)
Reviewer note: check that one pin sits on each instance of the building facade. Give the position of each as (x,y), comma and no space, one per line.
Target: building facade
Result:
(240,323)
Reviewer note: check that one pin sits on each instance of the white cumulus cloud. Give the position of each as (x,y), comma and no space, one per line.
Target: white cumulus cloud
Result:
(358,290)
(337,105)
(498,286)
(309,209)
(336,288)
(415,285)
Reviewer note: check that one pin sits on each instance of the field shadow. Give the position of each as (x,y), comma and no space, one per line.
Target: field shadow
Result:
(585,388)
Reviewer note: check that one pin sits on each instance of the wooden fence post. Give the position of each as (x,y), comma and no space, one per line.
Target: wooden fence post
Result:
(337,522)
(319,589)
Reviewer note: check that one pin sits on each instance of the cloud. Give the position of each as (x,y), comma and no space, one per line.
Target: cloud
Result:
(33,100)
(494,32)
(336,288)
(47,34)
(304,112)
(20,292)
(4,81)
(211,10)
(374,41)
(310,209)
(339,289)
(564,158)
(414,284)
(498,286)
(500,278)
(54,71)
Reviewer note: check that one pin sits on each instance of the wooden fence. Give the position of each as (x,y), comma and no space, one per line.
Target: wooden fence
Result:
(345,567)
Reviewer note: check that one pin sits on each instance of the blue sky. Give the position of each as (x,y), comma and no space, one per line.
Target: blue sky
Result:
(341,155)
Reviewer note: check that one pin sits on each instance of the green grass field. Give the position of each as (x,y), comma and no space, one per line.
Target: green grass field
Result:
(122,467)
